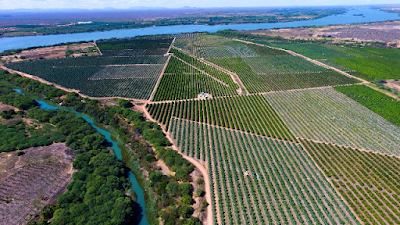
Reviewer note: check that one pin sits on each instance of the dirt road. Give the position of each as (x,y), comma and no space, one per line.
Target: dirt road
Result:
(196,163)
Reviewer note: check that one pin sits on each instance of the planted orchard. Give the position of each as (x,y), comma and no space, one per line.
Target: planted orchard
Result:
(256,180)
(329,116)
(368,181)
(251,114)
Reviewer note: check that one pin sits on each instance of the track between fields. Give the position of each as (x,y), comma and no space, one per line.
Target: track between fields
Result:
(202,71)
(159,79)
(195,162)
(367,83)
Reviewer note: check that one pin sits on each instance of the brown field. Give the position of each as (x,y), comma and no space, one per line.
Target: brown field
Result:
(5,107)
(388,32)
(30,181)
(55,52)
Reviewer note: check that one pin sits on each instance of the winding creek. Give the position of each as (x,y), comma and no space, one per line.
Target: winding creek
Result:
(117,150)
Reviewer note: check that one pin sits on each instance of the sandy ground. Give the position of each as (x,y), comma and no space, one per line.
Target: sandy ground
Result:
(388,32)
(30,181)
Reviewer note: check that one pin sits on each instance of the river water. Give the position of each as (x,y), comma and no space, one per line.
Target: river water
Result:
(117,150)
(370,15)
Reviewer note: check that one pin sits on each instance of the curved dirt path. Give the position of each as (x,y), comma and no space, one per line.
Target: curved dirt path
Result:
(196,163)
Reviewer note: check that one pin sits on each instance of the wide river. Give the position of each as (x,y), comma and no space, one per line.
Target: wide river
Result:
(369,15)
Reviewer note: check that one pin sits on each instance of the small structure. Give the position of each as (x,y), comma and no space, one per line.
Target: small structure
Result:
(204,95)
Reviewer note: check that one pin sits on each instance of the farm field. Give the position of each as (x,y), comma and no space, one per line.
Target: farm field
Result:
(272,80)
(251,114)
(36,179)
(111,75)
(183,81)
(329,116)
(373,67)
(261,68)
(283,139)
(368,63)
(264,185)
(200,65)
(367,181)
(381,104)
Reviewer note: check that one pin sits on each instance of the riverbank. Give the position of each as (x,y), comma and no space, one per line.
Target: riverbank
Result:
(370,15)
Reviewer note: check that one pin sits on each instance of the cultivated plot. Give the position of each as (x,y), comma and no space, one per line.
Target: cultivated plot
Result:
(329,116)
(367,181)
(131,71)
(183,81)
(260,75)
(252,114)
(256,180)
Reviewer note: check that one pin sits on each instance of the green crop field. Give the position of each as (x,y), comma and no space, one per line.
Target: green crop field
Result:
(183,81)
(254,180)
(126,70)
(200,65)
(367,181)
(278,138)
(314,51)
(385,106)
(281,64)
(284,77)
(251,114)
(330,116)
(373,67)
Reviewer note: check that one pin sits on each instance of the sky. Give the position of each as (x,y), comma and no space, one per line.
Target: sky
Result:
(123,4)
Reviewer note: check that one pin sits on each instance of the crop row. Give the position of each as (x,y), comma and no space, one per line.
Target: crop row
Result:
(186,86)
(373,67)
(87,61)
(314,51)
(380,103)
(219,74)
(256,180)
(78,78)
(265,82)
(135,43)
(329,116)
(251,114)
(281,64)
(368,181)
(138,88)
(131,71)
(238,50)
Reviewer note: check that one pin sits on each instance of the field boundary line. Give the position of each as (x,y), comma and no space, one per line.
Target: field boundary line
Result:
(233,75)
(194,161)
(346,146)
(159,79)
(170,46)
(231,129)
(41,80)
(98,49)
(306,58)
(202,71)
(330,182)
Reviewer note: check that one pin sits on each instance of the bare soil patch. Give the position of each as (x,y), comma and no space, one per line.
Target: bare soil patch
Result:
(388,32)
(5,107)
(55,52)
(30,181)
